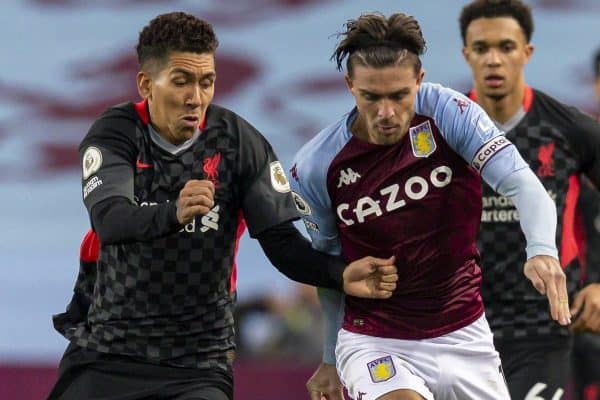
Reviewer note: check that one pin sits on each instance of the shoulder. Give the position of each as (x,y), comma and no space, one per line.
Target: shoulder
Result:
(437,101)
(429,91)
(229,122)
(117,124)
(572,123)
(316,155)
(552,109)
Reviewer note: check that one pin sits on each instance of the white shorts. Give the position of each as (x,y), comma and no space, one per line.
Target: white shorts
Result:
(460,365)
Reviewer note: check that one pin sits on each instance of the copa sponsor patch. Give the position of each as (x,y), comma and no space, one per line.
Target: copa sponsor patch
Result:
(301,204)
(488,150)
(278,179)
(381,369)
(421,140)
(92,160)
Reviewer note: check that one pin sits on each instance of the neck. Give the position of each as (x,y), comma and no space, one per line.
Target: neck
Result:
(358,128)
(502,109)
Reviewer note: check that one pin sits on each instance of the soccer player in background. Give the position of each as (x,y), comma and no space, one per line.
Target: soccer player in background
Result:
(400,175)
(169,184)
(559,143)
(585,368)
(596,69)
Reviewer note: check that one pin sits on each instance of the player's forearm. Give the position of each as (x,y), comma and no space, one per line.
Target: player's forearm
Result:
(116,220)
(332,303)
(537,211)
(292,254)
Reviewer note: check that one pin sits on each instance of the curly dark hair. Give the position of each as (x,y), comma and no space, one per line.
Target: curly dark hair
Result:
(376,41)
(515,9)
(176,31)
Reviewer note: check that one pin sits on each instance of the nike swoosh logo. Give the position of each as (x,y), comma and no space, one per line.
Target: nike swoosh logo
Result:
(139,164)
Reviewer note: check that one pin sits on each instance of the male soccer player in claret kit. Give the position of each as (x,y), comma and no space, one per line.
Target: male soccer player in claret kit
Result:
(169,184)
(399,175)
(559,143)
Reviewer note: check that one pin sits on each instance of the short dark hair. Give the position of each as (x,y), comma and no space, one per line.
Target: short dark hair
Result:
(376,41)
(597,64)
(515,9)
(176,31)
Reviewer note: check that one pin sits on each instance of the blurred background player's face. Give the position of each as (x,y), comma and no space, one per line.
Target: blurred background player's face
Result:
(385,99)
(179,93)
(497,51)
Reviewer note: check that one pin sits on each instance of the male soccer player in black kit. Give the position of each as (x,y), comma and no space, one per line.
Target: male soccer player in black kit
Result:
(169,184)
(560,143)
(585,368)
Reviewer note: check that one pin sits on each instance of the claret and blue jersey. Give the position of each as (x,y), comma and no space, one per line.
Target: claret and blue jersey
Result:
(419,199)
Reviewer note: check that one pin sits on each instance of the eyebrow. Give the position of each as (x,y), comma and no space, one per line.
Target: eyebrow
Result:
(396,93)
(208,75)
(486,43)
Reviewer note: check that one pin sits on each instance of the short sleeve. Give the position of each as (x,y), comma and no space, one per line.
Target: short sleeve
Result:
(107,156)
(469,131)
(265,190)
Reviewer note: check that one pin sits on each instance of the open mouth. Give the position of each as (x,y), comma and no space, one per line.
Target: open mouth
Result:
(191,120)
(494,80)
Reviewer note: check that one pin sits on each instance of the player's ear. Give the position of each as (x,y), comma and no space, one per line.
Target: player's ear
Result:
(528,52)
(465,53)
(144,84)
(349,83)
(420,77)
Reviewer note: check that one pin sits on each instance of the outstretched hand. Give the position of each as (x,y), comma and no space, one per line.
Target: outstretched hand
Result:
(548,278)
(370,277)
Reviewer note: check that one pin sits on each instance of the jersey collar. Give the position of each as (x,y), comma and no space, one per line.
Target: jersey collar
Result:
(527,99)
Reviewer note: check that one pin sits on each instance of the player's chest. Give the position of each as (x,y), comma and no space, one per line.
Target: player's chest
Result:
(546,150)
(368,183)
(160,175)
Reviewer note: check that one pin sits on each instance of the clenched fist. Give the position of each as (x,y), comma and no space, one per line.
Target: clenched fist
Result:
(370,277)
(196,198)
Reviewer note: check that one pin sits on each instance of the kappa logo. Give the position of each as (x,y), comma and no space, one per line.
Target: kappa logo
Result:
(92,161)
(360,395)
(294,172)
(278,179)
(348,177)
(381,369)
(461,104)
(421,140)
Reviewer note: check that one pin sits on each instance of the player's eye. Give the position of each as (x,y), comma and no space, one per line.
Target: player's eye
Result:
(207,83)
(508,47)
(479,49)
(179,81)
